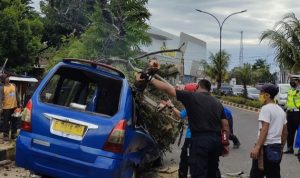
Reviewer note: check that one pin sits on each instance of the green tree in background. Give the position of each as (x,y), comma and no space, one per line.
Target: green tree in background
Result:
(244,74)
(121,33)
(261,72)
(20,34)
(217,66)
(63,18)
(116,29)
(285,39)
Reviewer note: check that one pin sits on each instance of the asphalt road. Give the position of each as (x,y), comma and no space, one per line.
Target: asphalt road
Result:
(245,128)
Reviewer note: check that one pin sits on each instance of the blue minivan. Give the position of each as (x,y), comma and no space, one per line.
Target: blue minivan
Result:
(81,122)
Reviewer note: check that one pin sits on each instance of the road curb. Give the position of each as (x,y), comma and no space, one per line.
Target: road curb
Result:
(7,152)
(240,106)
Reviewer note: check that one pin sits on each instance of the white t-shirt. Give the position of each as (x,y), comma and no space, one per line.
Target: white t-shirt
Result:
(275,116)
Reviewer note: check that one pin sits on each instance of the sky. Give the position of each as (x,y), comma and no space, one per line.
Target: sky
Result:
(175,16)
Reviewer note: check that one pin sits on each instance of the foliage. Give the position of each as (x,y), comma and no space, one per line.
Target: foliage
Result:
(63,18)
(20,34)
(285,39)
(253,103)
(159,124)
(163,129)
(261,72)
(243,101)
(115,33)
(122,35)
(217,68)
(244,75)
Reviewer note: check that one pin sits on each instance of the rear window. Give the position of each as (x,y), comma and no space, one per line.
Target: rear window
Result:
(83,90)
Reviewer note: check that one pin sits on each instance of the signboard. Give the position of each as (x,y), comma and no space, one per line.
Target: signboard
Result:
(170,54)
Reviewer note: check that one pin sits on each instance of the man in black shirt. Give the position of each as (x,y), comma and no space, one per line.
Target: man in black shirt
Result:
(206,118)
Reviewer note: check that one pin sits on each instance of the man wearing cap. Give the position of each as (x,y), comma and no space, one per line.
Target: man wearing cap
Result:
(293,113)
(206,119)
(267,152)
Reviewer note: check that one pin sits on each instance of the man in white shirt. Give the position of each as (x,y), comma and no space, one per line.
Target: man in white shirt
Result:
(272,135)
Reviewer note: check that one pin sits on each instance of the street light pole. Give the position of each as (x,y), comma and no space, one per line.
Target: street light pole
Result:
(220,28)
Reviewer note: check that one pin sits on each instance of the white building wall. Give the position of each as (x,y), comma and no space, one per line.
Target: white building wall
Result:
(194,49)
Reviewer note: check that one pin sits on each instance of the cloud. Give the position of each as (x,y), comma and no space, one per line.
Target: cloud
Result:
(175,16)
(180,16)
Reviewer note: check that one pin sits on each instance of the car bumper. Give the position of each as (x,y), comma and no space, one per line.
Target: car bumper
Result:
(47,163)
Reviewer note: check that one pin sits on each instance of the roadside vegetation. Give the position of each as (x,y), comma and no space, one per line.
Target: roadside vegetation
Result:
(242,100)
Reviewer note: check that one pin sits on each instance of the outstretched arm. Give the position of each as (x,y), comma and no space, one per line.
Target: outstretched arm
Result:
(166,88)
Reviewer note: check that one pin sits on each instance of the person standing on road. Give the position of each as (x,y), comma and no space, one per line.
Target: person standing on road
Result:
(235,140)
(272,135)
(293,113)
(9,104)
(206,119)
(184,155)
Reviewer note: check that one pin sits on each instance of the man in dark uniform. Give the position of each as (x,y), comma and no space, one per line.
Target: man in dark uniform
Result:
(206,118)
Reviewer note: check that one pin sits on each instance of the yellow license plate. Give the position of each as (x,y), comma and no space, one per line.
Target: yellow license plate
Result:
(68,128)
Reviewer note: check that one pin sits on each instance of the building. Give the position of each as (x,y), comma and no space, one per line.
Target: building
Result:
(194,50)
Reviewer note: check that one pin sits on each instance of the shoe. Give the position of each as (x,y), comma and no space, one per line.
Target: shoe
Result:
(289,151)
(236,146)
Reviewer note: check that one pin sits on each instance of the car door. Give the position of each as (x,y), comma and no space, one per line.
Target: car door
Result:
(142,148)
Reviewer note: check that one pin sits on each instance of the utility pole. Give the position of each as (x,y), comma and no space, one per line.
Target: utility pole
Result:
(219,77)
(241,58)
(182,67)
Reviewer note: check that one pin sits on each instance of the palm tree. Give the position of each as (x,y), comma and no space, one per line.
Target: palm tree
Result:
(244,73)
(207,71)
(285,39)
(216,69)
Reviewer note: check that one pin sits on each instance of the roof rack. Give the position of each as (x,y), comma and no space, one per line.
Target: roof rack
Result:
(94,64)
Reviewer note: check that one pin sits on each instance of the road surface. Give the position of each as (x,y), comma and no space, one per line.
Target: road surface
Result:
(245,127)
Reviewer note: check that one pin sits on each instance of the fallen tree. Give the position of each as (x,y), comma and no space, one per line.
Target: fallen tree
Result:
(162,126)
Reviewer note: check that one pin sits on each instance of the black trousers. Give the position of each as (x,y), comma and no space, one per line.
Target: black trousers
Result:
(234,139)
(184,157)
(9,122)
(205,150)
(293,120)
(271,169)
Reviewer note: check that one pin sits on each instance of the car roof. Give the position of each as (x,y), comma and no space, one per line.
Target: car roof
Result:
(95,64)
